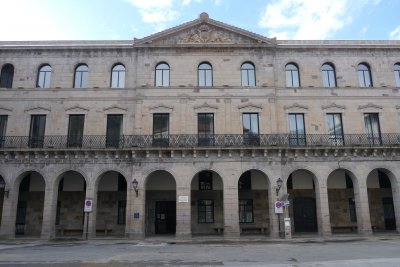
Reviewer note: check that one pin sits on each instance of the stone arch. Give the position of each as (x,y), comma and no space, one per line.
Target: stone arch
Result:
(21,175)
(59,175)
(97,177)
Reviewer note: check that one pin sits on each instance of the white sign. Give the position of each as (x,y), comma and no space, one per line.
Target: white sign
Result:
(88,205)
(286,203)
(278,206)
(183,199)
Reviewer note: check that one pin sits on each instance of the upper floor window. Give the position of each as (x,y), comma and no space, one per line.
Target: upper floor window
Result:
(6,76)
(248,74)
(81,76)
(328,75)
(162,74)
(118,76)
(292,75)
(205,74)
(44,77)
(364,75)
(397,74)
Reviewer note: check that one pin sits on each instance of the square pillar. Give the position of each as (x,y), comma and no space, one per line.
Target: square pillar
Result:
(273,217)
(231,213)
(183,213)
(49,213)
(362,209)
(322,203)
(8,217)
(135,213)
(91,228)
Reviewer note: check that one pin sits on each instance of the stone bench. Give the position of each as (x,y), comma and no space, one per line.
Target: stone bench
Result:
(219,230)
(253,229)
(344,229)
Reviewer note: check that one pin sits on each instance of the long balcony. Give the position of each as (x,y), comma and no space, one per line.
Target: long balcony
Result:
(198,141)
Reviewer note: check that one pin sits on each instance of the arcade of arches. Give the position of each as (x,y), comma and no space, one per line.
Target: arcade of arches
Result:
(205,204)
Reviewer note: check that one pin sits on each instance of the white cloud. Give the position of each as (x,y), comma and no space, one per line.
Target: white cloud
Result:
(309,19)
(217,2)
(187,2)
(395,34)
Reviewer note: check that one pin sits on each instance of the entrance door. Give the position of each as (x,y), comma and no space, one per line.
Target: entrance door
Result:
(388,213)
(20,220)
(165,217)
(305,219)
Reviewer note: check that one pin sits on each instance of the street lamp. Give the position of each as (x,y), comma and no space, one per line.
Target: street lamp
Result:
(135,186)
(3,187)
(279,183)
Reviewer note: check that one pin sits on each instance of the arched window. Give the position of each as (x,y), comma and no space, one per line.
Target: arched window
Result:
(328,75)
(7,76)
(44,77)
(205,74)
(248,74)
(364,75)
(118,76)
(81,76)
(397,74)
(292,75)
(162,74)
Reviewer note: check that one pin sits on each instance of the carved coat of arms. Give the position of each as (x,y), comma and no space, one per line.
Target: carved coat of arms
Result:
(205,35)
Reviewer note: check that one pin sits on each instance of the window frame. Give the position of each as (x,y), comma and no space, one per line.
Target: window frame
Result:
(289,74)
(75,140)
(396,70)
(202,213)
(335,138)
(118,75)
(362,78)
(82,73)
(160,138)
(245,72)
(206,178)
(373,136)
(37,130)
(328,75)
(299,138)
(46,74)
(3,128)
(246,210)
(7,76)
(165,72)
(114,140)
(206,71)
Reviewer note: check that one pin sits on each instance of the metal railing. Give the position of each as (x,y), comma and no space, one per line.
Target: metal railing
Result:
(194,140)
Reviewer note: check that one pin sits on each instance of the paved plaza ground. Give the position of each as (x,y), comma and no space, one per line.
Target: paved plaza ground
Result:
(345,251)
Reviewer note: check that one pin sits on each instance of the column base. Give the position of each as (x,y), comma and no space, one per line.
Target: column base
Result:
(365,232)
(183,236)
(325,233)
(137,236)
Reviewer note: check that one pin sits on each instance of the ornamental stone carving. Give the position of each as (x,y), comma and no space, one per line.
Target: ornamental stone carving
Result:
(205,35)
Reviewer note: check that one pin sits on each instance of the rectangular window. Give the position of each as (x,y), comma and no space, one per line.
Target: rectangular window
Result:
(161,129)
(335,129)
(297,131)
(205,128)
(352,210)
(372,128)
(3,127)
(121,211)
(114,130)
(75,130)
(205,180)
(246,211)
(206,211)
(250,129)
(36,132)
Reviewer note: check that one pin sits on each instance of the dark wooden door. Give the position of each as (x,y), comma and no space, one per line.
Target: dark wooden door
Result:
(165,217)
(304,213)
(388,213)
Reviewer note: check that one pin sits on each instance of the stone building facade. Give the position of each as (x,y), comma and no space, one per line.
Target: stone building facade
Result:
(204,118)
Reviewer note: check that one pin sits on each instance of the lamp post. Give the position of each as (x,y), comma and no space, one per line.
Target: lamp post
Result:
(3,187)
(135,186)
(279,183)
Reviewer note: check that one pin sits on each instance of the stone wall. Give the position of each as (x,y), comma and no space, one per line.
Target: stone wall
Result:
(107,212)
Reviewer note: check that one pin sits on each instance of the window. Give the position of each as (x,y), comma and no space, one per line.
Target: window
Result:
(206,211)
(297,132)
(352,210)
(250,129)
(397,74)
(7,76)
(205,180)
(292,75)
(161,129)
(36,132)
(75,130)
(114,130)
(205,74)
(162,74)
(248,74)
(335,129)
(81,76)
(372,128)
(245,181)
(44,77)
(3,127)
(118,76)
(121,211)
(364,75)
(328,75)
(205,128)
(246,211)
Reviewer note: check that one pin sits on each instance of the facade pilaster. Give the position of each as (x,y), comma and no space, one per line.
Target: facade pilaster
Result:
(183,212)
(324,221)
(362,209)
(231,212)
(49,212)
(7,229)
(90,229)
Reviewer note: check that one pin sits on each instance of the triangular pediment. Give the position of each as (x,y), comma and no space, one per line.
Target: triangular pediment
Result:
(205,107)
(161,108)
(250,107)
(76,109)
(369,106)
(115,109)
(38,109)
(204,31)
(296,106)
(4,109)
(333,106)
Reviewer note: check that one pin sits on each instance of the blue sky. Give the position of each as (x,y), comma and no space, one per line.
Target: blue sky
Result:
(126,19)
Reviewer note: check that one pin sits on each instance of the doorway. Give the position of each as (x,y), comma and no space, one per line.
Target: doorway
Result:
(165,222)
(305,219)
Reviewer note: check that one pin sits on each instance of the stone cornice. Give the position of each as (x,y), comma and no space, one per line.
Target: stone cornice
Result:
(333,106)
(296,106)
(38,109)
(205,105)
(369,106)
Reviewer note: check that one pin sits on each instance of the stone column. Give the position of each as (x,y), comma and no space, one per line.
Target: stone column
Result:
(396,204)
(7,229)
(135,205)
(273,217)
(322,203)
(183,216)
(91,193)
(231,212)
(49,212)
(362,208)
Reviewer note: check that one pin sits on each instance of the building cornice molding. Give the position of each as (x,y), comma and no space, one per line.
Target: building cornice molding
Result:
(115,108)
(162,108)
(333,106)
(296,106)
(4,109)
(76,109)
(38,109)
(250,107)
(369,106)
(205,106)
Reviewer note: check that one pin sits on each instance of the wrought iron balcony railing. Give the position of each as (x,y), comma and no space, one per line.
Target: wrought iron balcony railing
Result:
(194,140)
